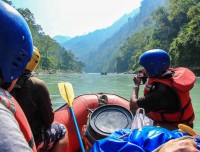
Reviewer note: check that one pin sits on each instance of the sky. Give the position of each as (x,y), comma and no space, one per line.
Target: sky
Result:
(76,17)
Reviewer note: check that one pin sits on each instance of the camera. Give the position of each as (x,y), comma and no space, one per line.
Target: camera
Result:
(141,74)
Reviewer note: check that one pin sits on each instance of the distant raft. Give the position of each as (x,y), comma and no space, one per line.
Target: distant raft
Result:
(103,73)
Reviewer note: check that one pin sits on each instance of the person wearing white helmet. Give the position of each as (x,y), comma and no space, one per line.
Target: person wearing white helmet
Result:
(33,96)
(16,49)
(166,93)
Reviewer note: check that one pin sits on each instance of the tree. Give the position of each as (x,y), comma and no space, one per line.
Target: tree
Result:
(174,27)
(185,49)
(49,49)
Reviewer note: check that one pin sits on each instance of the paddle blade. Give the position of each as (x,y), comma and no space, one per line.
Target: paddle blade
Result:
(66,92)
(187,129)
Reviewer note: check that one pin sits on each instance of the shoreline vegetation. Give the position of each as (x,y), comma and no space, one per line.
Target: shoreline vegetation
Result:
(40,71)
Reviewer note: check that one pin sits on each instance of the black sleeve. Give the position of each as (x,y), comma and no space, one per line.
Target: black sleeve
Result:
(44,103)
(161,98)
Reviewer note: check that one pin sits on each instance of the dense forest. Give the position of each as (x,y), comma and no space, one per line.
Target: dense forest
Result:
(173,27)
(53,55)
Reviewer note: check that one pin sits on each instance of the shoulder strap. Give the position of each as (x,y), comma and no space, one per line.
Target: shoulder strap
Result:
(23,78)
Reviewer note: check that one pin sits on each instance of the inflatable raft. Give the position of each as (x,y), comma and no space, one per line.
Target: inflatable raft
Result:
(93,112)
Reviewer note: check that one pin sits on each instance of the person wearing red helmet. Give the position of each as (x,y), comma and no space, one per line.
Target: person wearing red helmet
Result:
(166,93)
(16,49)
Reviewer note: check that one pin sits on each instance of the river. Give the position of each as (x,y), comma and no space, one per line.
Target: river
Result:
(120,84)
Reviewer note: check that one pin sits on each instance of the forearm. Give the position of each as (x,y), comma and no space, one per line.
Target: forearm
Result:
(135,92)
(185,143)
(133,99)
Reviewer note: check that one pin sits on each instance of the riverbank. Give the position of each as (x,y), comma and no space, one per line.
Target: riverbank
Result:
(196,71)
(40,71)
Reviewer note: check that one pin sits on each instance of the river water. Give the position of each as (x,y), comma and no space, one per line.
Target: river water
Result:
(120,84)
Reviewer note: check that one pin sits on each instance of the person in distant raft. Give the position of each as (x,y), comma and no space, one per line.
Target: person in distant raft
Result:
(34,98)
(16,49)
(166,93)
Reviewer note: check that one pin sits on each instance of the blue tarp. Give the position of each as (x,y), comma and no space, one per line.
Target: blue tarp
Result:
(145,139)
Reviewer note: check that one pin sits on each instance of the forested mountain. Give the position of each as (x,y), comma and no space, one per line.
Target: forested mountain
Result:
(173,27)
(82,46)
(61,39)
(99,49)
(104,58)
(53,55)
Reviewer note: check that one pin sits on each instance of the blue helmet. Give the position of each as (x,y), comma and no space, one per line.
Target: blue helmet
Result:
(16,46)
(155,61)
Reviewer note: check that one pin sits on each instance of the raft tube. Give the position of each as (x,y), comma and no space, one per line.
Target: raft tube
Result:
(82,106)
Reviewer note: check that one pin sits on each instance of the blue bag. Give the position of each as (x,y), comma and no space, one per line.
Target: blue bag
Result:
(145,139)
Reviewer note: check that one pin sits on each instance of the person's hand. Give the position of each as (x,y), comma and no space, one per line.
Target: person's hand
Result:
(182,145)
(137,80)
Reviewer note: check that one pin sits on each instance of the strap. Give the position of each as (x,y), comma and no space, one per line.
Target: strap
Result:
(6,100)
(23,78)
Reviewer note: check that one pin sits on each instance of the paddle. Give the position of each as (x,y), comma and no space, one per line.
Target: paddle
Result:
(67,93)
(188,130)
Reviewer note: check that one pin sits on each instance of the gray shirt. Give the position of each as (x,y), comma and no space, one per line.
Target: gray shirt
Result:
(11,137)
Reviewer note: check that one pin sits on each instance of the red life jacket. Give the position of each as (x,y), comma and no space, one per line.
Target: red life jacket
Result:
(9,102)
(182,81)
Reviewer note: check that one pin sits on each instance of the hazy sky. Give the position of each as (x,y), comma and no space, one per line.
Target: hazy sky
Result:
(76,17)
